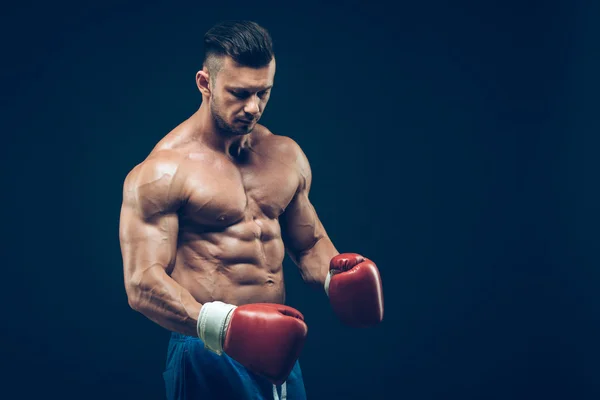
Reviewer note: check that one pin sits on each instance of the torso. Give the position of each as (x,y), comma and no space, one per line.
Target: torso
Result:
(230,246)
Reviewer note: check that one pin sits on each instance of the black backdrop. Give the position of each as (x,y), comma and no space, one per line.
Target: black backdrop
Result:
(454,143)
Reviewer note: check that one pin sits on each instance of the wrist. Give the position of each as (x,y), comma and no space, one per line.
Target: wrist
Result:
(213,321)
(327,281)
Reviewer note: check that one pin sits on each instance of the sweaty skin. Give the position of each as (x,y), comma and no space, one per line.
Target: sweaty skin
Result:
(202,222)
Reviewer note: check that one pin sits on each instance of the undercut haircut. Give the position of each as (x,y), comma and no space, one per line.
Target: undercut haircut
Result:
(246,42)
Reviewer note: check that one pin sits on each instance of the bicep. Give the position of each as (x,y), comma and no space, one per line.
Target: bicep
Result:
(148,225)
(147,244)
(301,227)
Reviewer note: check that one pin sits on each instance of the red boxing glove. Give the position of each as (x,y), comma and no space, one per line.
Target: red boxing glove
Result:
(265,338)
(354,289)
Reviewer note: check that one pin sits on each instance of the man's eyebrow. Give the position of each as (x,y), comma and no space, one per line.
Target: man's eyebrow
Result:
(249,88)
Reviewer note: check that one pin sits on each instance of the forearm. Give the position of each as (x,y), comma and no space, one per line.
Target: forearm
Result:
(158,297)
(314,262)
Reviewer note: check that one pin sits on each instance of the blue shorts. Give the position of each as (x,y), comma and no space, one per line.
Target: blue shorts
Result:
(192,372)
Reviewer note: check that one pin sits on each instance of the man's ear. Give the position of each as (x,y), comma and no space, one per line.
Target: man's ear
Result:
(203,82)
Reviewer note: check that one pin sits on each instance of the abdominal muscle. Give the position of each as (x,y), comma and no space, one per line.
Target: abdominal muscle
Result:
(241,264)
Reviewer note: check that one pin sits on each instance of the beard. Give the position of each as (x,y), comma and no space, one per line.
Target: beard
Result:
(222,125)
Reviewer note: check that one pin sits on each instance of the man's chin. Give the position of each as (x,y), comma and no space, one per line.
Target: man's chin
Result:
(244,131)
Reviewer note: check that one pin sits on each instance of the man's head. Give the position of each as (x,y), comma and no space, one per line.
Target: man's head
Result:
(237,74)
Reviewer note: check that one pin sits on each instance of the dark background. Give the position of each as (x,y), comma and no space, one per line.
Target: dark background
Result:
(455,143)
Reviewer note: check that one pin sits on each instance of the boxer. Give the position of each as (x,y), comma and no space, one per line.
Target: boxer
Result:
(206,220)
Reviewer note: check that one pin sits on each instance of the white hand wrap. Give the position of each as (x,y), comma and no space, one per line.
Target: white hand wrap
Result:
(327,279)
(213,322)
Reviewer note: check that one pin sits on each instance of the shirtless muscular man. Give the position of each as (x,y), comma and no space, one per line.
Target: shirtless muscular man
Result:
(205,223)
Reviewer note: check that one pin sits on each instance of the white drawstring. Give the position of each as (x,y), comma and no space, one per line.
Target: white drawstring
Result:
(283,392)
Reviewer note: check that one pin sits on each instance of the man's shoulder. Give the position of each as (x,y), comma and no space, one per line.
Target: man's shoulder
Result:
(289,152)
(159,164)
(280,144)
(155,186)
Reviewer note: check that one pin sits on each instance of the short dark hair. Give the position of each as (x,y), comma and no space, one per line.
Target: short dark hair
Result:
(246,42)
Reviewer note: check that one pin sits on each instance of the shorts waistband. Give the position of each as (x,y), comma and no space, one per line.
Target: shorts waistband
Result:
(183,338)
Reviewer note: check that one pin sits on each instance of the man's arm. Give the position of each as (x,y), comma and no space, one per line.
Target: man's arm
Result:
(148,235)
(306,240)
(351,281)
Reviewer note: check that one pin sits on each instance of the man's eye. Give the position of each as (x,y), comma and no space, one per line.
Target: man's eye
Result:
(240,95)
(262,94)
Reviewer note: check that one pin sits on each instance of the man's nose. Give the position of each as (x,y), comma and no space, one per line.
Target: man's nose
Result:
(252,105)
